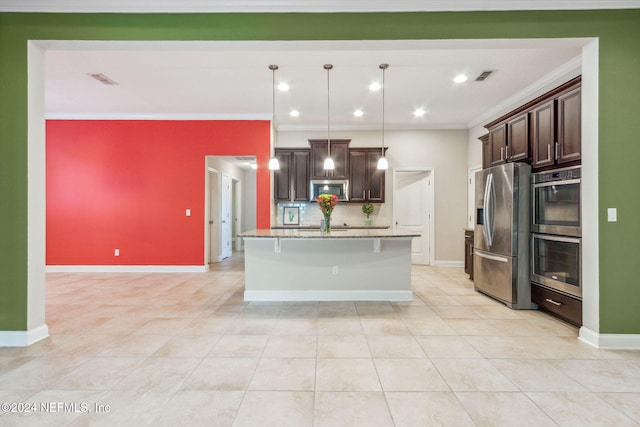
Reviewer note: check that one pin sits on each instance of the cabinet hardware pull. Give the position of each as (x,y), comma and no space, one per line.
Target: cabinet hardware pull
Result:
(363,194)
(501,153)
(369,194)
(507,152)
(548,151)
(556,151)
(553,302)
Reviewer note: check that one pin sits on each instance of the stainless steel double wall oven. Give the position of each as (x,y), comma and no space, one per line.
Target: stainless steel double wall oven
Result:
(556,243)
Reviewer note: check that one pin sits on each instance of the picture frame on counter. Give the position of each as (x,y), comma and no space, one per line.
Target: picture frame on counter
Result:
(291,216)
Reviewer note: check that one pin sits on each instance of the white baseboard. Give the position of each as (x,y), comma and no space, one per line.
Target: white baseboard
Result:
(448,263)
(328,296)
(610,341)
(23,338)
(127,268)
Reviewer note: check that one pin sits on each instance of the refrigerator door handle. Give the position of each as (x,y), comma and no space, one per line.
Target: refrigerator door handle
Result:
(491,257)
(487,213)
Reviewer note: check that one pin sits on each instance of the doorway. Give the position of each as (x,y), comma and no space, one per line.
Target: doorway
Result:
(413,210)
(224,209)
(37,205)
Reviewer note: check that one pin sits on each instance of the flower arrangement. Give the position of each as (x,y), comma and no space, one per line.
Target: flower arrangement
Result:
(326,203)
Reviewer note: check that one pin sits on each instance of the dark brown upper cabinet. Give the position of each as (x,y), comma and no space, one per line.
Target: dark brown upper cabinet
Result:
(543,134)
(518,138)
(497,144)
(486,151)
(569,126)
(339,154)
(291,182)
(508,141)
(545,131)
(556,133)
(366,181)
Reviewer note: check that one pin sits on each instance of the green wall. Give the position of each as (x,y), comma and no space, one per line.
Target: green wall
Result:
(619,107)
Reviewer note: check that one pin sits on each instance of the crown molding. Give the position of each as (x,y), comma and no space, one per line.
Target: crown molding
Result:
(558,76)
(154,116)
(308,6)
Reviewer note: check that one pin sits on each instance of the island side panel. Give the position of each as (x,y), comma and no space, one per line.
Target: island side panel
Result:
(327,270)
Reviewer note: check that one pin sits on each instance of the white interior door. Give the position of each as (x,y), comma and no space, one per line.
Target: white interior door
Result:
(225,217)
(213,218)
(413,210)
(235,213)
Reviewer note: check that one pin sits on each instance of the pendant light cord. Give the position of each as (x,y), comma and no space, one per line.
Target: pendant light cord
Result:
(328,67)
(273,69)
(384,68)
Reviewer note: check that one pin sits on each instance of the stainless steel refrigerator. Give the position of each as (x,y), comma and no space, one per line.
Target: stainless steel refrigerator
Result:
(501,238)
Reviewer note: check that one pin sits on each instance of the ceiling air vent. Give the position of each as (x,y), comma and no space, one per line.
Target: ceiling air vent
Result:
(484,75)
(102,78)
(245,158)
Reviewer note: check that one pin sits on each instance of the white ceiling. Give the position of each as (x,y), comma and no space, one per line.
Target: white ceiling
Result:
(231,80)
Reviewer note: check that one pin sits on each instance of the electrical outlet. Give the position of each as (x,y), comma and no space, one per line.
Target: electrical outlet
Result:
(334,270)
(188,212)
(116,252)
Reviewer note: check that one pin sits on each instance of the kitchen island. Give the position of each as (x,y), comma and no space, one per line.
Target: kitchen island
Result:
(343,265)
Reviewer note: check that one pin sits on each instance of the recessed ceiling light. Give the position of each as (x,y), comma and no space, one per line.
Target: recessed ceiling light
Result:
(460,78)
(358,113)
(283,87)
(419,112)
(375,86)
(294,113)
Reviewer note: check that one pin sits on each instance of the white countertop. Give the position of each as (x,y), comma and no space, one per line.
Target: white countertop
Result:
(334,234)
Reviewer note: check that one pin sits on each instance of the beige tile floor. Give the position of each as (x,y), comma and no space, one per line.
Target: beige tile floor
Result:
(184,349)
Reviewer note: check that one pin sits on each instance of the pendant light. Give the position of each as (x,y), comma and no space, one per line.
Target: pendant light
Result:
(328,162)
(382,161)
(274,164)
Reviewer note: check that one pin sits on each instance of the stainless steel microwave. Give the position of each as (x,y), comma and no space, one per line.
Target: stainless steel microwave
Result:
(325,186)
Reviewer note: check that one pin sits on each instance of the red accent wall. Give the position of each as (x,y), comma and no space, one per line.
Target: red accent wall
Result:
(126,184)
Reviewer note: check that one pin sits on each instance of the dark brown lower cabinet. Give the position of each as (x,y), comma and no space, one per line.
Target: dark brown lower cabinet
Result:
(468,253)
(560,305)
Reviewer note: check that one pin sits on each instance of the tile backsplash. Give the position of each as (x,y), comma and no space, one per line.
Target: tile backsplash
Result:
(309,214)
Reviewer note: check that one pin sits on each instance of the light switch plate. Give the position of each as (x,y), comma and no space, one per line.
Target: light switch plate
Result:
(188,212)
(612,214)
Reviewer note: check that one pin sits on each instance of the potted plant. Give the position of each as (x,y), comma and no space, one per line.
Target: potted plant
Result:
(367,209)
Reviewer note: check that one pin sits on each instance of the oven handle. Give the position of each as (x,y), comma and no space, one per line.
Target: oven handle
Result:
(556,238)
(562,182)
